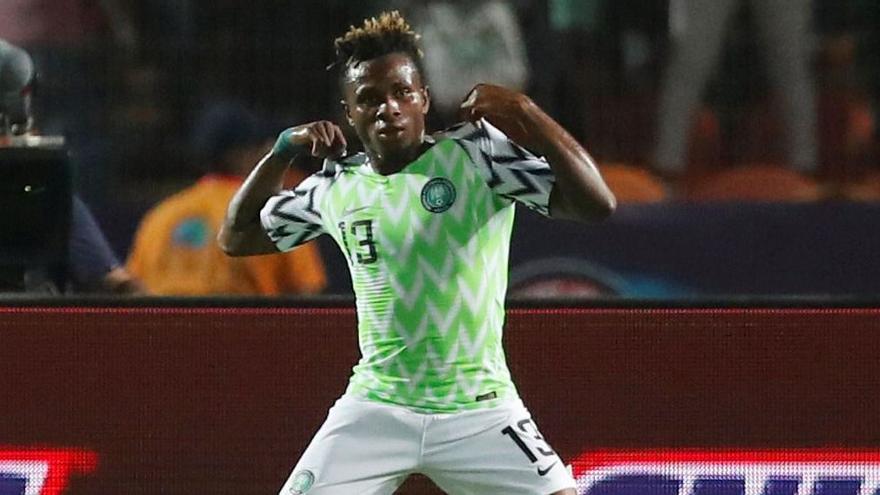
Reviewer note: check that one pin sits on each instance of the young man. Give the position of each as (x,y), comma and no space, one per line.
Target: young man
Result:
(425,225)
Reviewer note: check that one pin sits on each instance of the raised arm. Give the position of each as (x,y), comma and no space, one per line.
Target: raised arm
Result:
(242,233)
(579,192)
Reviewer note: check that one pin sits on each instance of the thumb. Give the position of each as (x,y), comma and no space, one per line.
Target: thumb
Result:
(467,109)
(471,99)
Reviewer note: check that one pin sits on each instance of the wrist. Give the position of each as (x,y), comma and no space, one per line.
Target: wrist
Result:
(284,147)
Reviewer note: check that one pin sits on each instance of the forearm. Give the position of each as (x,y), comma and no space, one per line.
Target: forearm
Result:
(579,192)
(241,233)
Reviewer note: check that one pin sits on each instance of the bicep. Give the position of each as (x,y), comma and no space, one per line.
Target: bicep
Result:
(252,240)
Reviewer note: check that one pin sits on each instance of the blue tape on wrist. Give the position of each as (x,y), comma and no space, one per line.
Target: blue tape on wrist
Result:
(284,148)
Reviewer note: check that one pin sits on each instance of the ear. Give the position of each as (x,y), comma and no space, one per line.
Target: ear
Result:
(426,96)
(347,112)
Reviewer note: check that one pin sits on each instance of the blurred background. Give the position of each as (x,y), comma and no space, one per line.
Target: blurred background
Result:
(740,136)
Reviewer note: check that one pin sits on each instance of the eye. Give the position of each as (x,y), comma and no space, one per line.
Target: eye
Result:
(403,91)
(368,98)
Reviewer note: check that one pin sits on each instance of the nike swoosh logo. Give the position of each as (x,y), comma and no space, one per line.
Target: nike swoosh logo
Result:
(348,211)
(542,472)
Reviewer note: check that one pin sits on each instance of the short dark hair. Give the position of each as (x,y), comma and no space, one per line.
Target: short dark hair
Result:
(378,36)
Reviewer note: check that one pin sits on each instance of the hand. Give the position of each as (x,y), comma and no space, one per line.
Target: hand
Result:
(119,281)
(504,108)
(322,138)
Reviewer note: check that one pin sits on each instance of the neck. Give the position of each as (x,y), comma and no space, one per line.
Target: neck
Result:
(391,163)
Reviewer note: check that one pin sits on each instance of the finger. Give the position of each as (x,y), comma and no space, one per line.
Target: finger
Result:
(467,105)
(465,112)
(329,128)
(324,134)
(339,142)
(470,100)
(331,134)
(314,139)
(475,113)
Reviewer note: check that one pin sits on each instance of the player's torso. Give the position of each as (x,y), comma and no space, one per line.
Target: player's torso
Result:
(427,249)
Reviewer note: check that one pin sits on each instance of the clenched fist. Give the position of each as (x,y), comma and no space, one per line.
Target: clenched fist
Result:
(322,139)
(504,108)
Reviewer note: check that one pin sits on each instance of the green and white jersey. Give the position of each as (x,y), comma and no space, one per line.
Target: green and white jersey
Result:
(427,248)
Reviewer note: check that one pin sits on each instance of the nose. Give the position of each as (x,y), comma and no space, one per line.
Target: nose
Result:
(389,108)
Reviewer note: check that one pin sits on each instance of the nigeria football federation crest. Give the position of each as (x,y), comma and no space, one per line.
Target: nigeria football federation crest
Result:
(302,481)
(438,195)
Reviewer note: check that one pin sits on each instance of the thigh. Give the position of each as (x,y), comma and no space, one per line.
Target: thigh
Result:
(362,447)
(494,451)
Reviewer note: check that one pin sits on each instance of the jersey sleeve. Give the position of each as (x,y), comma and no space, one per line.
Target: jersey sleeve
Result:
(293,216)
(511,171)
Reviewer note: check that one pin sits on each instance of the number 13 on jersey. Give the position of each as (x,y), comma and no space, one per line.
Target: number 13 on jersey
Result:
(364,250)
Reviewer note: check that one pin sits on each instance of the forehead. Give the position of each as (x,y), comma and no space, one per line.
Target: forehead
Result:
(387,69)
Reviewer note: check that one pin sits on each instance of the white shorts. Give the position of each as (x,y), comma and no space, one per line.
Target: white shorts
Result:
(367,448)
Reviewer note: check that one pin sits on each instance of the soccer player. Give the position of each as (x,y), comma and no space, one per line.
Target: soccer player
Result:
(425,224)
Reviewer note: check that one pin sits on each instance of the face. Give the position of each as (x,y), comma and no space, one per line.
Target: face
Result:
(386,103)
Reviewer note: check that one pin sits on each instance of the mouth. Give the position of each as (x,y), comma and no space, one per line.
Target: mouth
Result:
(391,130)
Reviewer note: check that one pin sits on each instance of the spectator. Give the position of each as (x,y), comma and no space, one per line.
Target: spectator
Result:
(175,253)
(597,61)
(91,265)
(699,27)
(72,43)
(94,266)
(16,85)
(479,42)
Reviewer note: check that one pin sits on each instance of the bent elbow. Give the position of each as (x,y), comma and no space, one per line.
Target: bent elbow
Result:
(249,242)
(228,243)
(605,207)
(589,208)
(596,210)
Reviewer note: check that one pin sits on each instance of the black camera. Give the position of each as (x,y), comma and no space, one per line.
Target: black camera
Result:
(35,217)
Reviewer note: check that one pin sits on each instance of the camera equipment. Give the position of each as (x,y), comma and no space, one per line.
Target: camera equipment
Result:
(35,215)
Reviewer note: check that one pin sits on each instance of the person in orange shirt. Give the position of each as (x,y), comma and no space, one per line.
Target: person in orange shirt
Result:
(175,252)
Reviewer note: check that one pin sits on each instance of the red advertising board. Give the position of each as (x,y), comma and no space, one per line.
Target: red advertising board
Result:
(179,400)
(736,472)
(42,471)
